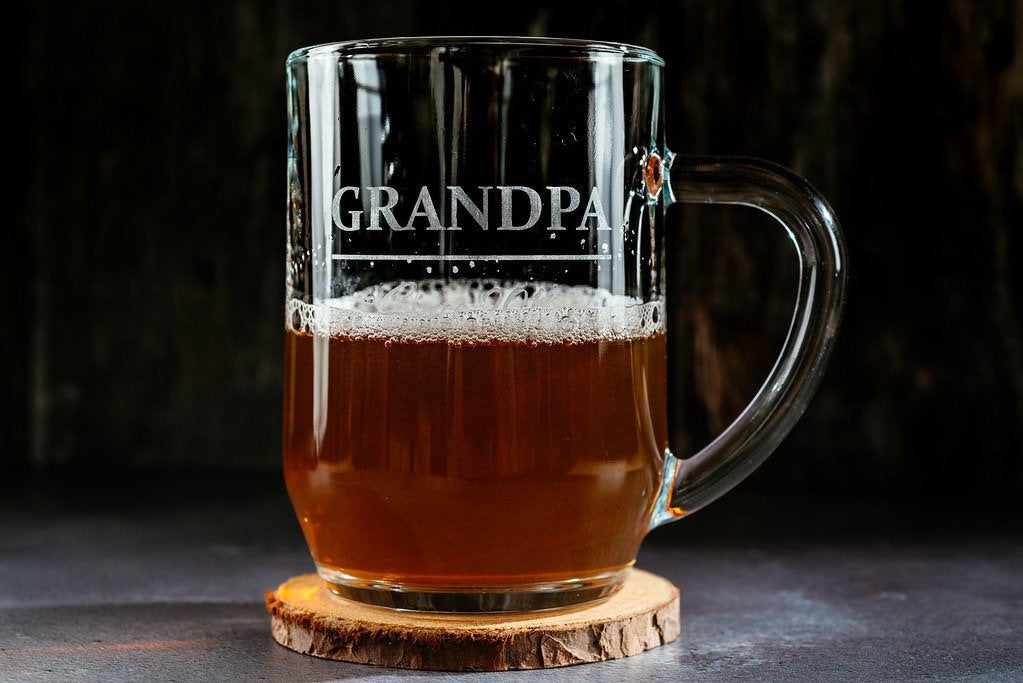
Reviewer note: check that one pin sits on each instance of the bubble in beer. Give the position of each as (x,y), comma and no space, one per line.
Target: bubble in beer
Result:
(476,311)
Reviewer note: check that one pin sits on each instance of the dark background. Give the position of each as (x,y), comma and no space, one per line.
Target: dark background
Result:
(143,276)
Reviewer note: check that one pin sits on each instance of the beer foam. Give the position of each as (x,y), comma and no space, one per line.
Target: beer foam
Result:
(479,311)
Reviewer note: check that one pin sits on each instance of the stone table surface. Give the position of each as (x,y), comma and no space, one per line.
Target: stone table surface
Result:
(162,578)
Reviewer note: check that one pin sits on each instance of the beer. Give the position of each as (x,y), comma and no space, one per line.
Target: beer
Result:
(439,447)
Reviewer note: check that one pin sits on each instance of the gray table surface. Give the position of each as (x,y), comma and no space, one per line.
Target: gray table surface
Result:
(163,579)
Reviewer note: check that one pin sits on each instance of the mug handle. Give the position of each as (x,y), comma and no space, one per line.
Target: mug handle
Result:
(695,482)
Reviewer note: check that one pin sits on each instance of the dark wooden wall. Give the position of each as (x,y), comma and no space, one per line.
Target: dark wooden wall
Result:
(143,275)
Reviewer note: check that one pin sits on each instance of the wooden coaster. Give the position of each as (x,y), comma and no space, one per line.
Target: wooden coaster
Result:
(307,618)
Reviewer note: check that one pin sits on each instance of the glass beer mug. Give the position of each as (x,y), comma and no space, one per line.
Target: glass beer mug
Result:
(475,393)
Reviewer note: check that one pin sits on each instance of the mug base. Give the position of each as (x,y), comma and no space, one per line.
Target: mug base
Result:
(527,598)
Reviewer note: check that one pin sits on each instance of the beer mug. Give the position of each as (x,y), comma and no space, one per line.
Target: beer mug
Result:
(475,408)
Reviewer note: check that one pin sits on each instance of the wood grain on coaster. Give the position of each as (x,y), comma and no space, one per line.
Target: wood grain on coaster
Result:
(307,618)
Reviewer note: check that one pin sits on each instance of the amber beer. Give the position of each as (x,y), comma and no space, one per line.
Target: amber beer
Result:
(493,458)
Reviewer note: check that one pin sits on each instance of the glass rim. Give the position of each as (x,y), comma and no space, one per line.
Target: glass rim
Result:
(543,47)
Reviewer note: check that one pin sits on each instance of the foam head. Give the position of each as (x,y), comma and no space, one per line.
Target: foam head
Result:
(473,311)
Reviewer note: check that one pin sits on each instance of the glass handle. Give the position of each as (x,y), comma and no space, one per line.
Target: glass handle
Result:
(692,483)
